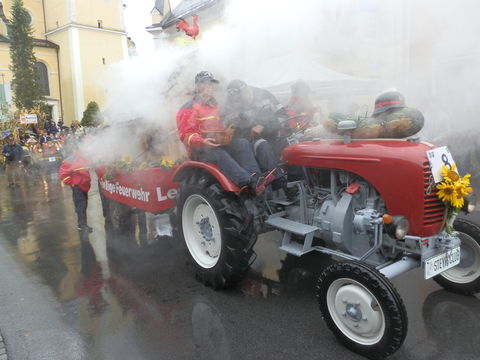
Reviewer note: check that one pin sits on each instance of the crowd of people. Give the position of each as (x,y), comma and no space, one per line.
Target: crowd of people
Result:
(25,150)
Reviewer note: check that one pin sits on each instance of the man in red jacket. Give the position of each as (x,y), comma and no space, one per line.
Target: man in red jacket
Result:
(236,160)
(74,171)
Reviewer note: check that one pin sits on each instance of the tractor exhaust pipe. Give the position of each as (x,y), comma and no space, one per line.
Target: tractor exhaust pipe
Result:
(400,267)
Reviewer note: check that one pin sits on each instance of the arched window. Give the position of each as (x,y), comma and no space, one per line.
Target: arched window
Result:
(43,79)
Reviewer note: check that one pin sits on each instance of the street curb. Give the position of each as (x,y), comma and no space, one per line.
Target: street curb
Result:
(3,349)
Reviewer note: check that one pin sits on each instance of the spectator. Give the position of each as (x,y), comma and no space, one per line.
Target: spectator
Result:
(74,171)
(13,161)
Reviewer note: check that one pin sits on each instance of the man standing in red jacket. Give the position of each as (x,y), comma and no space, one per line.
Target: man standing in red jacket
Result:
(74,171)
(236,160)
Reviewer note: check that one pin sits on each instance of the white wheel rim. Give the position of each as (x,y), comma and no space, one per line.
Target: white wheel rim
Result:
(201,231)
(469,268)
(356,311)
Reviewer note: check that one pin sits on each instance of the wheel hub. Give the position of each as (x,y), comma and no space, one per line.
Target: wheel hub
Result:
(353,311)
(206,229)
(202,231)
(356,311)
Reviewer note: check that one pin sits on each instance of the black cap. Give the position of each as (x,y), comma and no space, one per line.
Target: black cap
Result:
(235,86)
(205,76)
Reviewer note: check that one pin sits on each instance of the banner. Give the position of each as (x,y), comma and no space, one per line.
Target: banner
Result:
(28,119)
(150,189)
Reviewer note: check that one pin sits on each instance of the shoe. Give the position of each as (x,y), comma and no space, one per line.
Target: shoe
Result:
(85,228)
(263,182)
(17,184)
(11,185)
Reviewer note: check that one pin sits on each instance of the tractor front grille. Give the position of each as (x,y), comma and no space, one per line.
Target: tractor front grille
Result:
(433,208)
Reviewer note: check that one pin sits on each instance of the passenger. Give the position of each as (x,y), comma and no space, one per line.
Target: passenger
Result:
(236,160)
(300,107)
(255,114)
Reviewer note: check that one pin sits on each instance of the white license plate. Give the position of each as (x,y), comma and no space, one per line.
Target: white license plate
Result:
(435,265)
(51,159)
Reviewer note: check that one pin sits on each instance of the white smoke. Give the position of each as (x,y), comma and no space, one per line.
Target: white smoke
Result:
(428,50)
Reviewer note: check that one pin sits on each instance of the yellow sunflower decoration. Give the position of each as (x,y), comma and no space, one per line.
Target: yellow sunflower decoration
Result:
(166,163)
(452,191)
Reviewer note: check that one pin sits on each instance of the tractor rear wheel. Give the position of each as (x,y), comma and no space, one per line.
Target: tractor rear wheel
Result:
(218,231)
(465,277)
(362,308)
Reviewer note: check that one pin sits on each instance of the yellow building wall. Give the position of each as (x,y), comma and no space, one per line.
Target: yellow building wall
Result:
(35,9)
(4,63)
(109,13)
(62,38)
(56,14)
(100,47)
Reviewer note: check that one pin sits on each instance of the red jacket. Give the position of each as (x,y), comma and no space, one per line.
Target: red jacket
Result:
(296,107)
(195,117)
(75,173)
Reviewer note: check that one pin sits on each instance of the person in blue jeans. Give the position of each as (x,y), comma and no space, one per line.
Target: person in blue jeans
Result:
(13,161)
(236,160)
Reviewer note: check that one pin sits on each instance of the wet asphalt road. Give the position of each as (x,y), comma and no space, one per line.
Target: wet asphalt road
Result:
(132,297)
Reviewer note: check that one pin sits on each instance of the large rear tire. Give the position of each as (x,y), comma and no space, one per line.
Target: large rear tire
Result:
(465,277)
(362,308)
(218,231)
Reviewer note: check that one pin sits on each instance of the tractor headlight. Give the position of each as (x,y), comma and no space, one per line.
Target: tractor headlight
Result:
(398,227)
(470,204)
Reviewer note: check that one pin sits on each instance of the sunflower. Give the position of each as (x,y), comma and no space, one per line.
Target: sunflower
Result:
(166,162)
(127,159)
(450,174)
(458,199)
(446,191)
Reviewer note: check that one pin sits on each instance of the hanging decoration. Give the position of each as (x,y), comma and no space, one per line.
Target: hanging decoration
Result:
(185,27)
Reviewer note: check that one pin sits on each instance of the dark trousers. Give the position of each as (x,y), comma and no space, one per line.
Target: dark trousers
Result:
(265,155)
(268,159)
(236,160)
(80,201)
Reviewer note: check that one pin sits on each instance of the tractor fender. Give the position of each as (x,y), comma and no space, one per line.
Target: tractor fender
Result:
(189,166)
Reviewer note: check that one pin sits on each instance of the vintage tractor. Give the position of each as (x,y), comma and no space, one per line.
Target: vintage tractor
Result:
(371,204)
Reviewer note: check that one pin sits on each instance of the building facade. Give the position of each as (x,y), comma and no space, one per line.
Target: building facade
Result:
(75,41)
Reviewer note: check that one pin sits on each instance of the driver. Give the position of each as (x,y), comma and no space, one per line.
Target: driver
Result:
(236,160)
(300,108)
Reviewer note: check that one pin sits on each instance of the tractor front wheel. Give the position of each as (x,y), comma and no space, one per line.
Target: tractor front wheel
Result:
(362,308)
(465,277)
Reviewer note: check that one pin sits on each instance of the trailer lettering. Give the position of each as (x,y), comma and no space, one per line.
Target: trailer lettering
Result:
(171,194)
(125,191)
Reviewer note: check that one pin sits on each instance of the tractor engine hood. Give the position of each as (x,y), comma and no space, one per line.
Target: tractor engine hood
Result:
(398,169)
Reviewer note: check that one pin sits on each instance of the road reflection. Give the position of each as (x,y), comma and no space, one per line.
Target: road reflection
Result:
(126,290)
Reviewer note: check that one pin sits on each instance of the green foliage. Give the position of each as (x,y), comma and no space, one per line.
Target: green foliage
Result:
(25,82)
(91,116)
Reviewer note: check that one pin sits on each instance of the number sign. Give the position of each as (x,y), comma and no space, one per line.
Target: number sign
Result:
(438,157)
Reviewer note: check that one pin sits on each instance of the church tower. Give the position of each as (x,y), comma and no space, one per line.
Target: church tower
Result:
(75,41)
(91,35)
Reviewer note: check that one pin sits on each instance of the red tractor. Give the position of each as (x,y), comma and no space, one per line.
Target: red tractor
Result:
(370,203)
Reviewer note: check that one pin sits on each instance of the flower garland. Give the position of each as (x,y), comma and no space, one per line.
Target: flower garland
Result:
(452,191)
(126,165)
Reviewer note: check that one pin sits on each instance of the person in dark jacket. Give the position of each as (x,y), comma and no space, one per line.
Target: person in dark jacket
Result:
(300,108)
(256,114)
(74,171)
(236,160)
(13,161)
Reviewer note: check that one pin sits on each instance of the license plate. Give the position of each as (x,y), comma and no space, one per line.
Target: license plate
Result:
(439,263)
(52,159)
